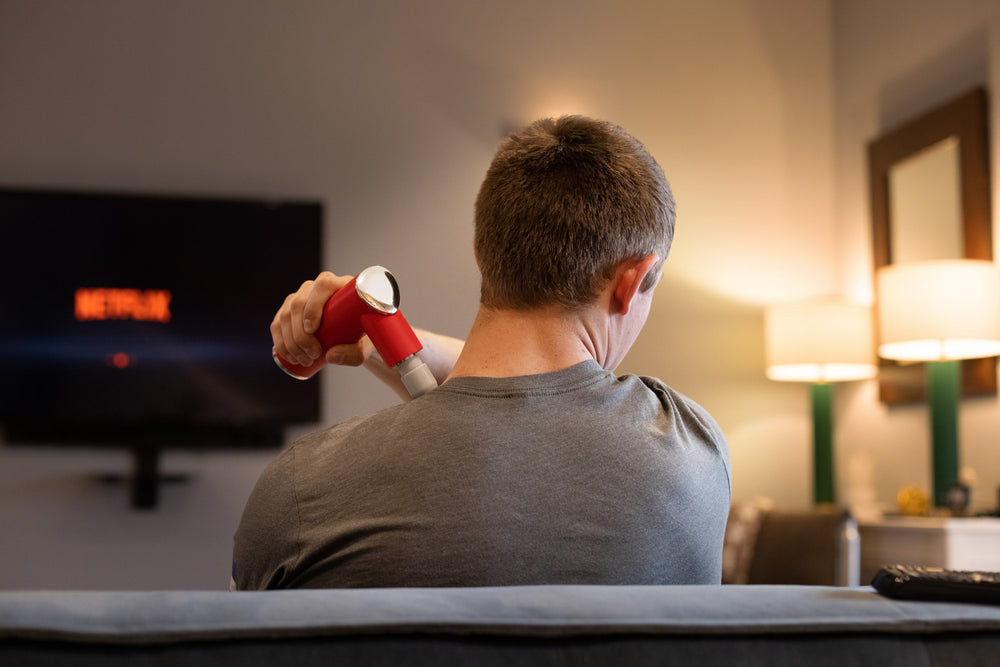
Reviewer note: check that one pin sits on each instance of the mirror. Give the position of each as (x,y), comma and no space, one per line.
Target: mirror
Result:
(930,195)
(925,200)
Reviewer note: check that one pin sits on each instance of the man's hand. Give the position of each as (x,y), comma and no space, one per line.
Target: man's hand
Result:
(293,329)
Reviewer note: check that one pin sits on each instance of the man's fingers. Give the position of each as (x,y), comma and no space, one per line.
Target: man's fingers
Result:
(325,285)
(295,324)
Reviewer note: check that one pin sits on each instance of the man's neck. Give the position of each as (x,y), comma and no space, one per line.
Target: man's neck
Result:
(509,343)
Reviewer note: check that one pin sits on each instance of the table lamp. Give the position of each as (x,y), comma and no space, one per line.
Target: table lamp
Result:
(820,341)
(940,312)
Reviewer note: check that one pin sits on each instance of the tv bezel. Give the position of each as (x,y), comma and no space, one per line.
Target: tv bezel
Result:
(146,439)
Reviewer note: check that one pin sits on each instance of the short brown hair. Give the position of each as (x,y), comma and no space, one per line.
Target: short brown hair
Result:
(564,202)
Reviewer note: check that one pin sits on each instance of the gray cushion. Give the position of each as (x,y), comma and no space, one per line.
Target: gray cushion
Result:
(166,616)
(518,625)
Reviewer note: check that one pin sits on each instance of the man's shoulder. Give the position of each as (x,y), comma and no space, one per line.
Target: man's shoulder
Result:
(694,416)
(682,406)
(666,394)
(316,441)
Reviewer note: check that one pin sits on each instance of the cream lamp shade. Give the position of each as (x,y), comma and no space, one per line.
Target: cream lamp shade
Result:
(939,310)
(822,340)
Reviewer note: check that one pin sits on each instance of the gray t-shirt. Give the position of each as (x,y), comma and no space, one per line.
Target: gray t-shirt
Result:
(572,477)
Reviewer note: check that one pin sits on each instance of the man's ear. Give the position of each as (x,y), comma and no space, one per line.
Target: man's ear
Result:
(630,276)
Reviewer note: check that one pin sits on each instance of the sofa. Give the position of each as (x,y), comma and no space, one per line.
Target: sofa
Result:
(535,625)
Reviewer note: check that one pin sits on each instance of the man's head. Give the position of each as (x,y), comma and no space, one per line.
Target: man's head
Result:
(564,202)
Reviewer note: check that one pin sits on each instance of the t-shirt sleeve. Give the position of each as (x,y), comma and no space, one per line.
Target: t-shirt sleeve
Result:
(709,430)
(266,546)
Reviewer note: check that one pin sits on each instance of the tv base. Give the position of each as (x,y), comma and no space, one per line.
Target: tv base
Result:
(144,482)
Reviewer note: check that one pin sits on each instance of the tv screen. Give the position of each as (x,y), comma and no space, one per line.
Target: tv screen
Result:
(143,320)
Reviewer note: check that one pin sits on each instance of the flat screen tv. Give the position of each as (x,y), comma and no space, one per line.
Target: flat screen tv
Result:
(142,321)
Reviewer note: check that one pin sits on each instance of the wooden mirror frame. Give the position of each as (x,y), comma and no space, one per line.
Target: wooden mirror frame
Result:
(966,118)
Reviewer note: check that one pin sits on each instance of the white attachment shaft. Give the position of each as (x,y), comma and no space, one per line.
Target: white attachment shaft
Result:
(416,375)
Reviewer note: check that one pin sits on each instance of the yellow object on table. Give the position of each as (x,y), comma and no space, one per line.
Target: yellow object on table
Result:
(913,501)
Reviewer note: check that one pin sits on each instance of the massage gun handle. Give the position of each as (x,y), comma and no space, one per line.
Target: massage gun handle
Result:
(346,318)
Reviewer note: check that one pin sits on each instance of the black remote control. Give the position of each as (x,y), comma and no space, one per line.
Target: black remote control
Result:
(932,583)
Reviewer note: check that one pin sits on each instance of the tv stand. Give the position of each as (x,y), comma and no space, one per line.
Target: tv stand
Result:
(144,482)
(144,443)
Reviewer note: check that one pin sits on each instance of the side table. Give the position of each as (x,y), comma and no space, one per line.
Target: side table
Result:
(955,543)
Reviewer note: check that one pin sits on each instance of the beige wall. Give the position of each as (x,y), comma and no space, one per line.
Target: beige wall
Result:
(389,112)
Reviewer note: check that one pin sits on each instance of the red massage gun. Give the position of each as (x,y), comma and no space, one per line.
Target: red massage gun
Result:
(369,304)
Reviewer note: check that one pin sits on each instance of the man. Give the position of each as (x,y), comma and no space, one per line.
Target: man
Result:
(532,463)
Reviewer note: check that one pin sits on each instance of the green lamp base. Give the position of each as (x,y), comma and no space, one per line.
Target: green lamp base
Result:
(822,409)
(943,382)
